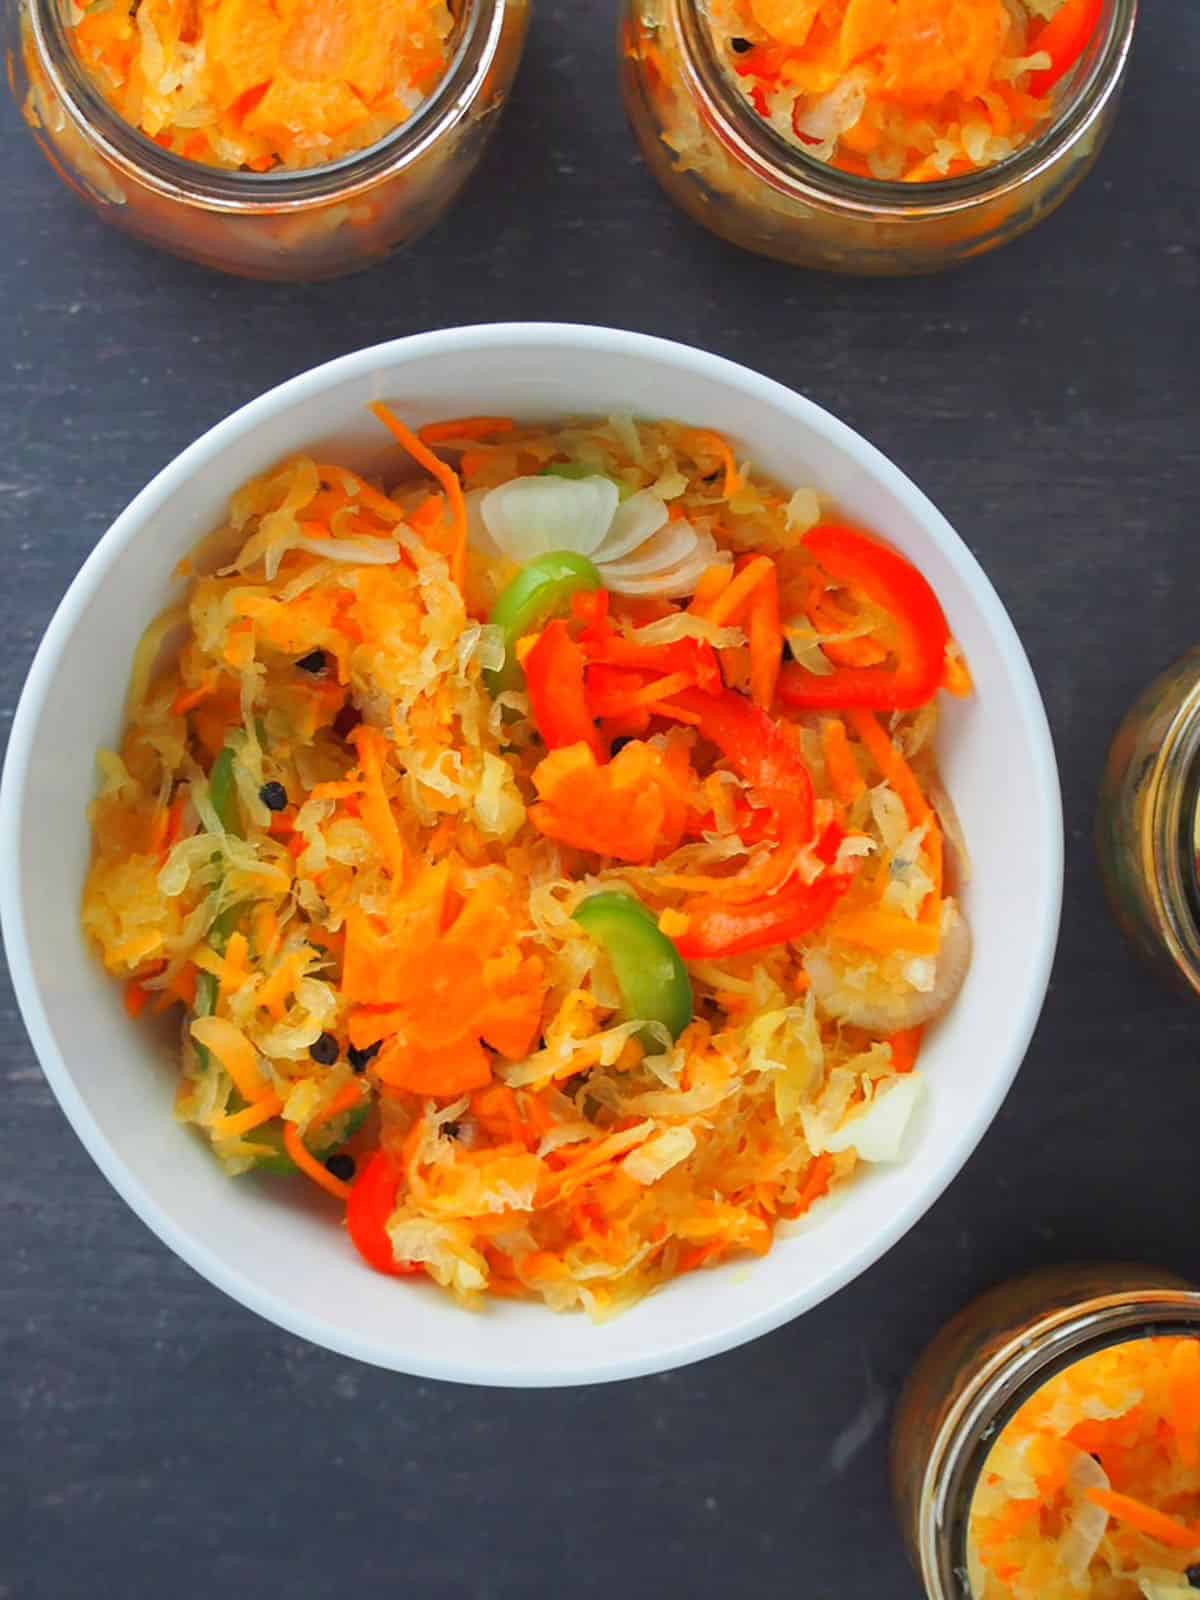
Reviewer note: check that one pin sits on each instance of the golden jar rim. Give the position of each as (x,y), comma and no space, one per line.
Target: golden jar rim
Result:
(140,159)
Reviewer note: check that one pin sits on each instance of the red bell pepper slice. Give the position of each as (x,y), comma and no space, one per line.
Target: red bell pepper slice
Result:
(371,1203)
(693,656)
(724,928)
(830,842)
(590,606)
(759,748)
(604,646)
(554,676)
(887,580)
(1063,38)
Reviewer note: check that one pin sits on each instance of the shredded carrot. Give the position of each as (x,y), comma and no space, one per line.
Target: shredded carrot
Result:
(464,428)
(905,1047)
(240,1122)
(310,1166)
(443,1071)
(891,764)
(230,970)
(348,1098)
(957,677)
(1155,1524)
(371,745)
(728,605)
(188,699)
(766,641)
(713,583)
(135,998)
(266,930)
(444,474)
(235,1053)
(816,1183)
(183,985)
(720,447)
(885,931)
(846,781)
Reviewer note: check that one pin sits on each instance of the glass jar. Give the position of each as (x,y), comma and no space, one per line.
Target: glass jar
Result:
(982,1368)
(729,169)
(1146,821)
(314,223)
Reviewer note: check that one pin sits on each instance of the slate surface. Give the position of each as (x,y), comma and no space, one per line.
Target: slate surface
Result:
(159,1440)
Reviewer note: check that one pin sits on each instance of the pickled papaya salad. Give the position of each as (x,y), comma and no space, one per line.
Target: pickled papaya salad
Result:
(903,90)
(259,84)
(1093,1487)
(544,854)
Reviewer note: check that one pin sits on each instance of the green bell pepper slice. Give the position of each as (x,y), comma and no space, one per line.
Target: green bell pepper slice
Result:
(274,1157)
(576,470)
(652,978)
(206,985)
(222,791)
(541,590)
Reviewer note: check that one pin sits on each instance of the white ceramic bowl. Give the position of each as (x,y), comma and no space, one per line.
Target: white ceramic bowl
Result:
(276,1247)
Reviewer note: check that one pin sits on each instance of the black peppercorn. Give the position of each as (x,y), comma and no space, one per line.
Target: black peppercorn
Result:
(358,1058)
(273,795)
(314,661)
(341,1166)
(1192,1574)
(324,1050)
(740,46)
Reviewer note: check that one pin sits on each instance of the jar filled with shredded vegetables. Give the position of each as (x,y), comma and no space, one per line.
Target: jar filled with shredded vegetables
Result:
(270,140)
(872,136)
(1047,1445)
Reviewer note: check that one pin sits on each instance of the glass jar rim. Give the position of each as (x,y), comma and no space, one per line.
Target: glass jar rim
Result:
(1013,1374)
(758,145)
(1174,787)
(281,189)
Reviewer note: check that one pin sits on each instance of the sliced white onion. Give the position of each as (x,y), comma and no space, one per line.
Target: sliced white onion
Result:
(1087,1523)
(670,546)
(959,857)
(636,520)
(478,536)
(887,1009)
(678,580)
(877,1133)
(671,585)
(530,517)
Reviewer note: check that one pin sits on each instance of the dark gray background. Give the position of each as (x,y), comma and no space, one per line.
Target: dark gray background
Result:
(157,1439)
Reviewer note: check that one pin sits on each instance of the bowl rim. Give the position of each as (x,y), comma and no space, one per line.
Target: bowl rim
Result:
(581,339)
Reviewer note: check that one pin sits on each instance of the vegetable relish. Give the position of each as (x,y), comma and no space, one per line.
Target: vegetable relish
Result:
(259,84)
(544,854)
(1093,1487)
(911,90)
